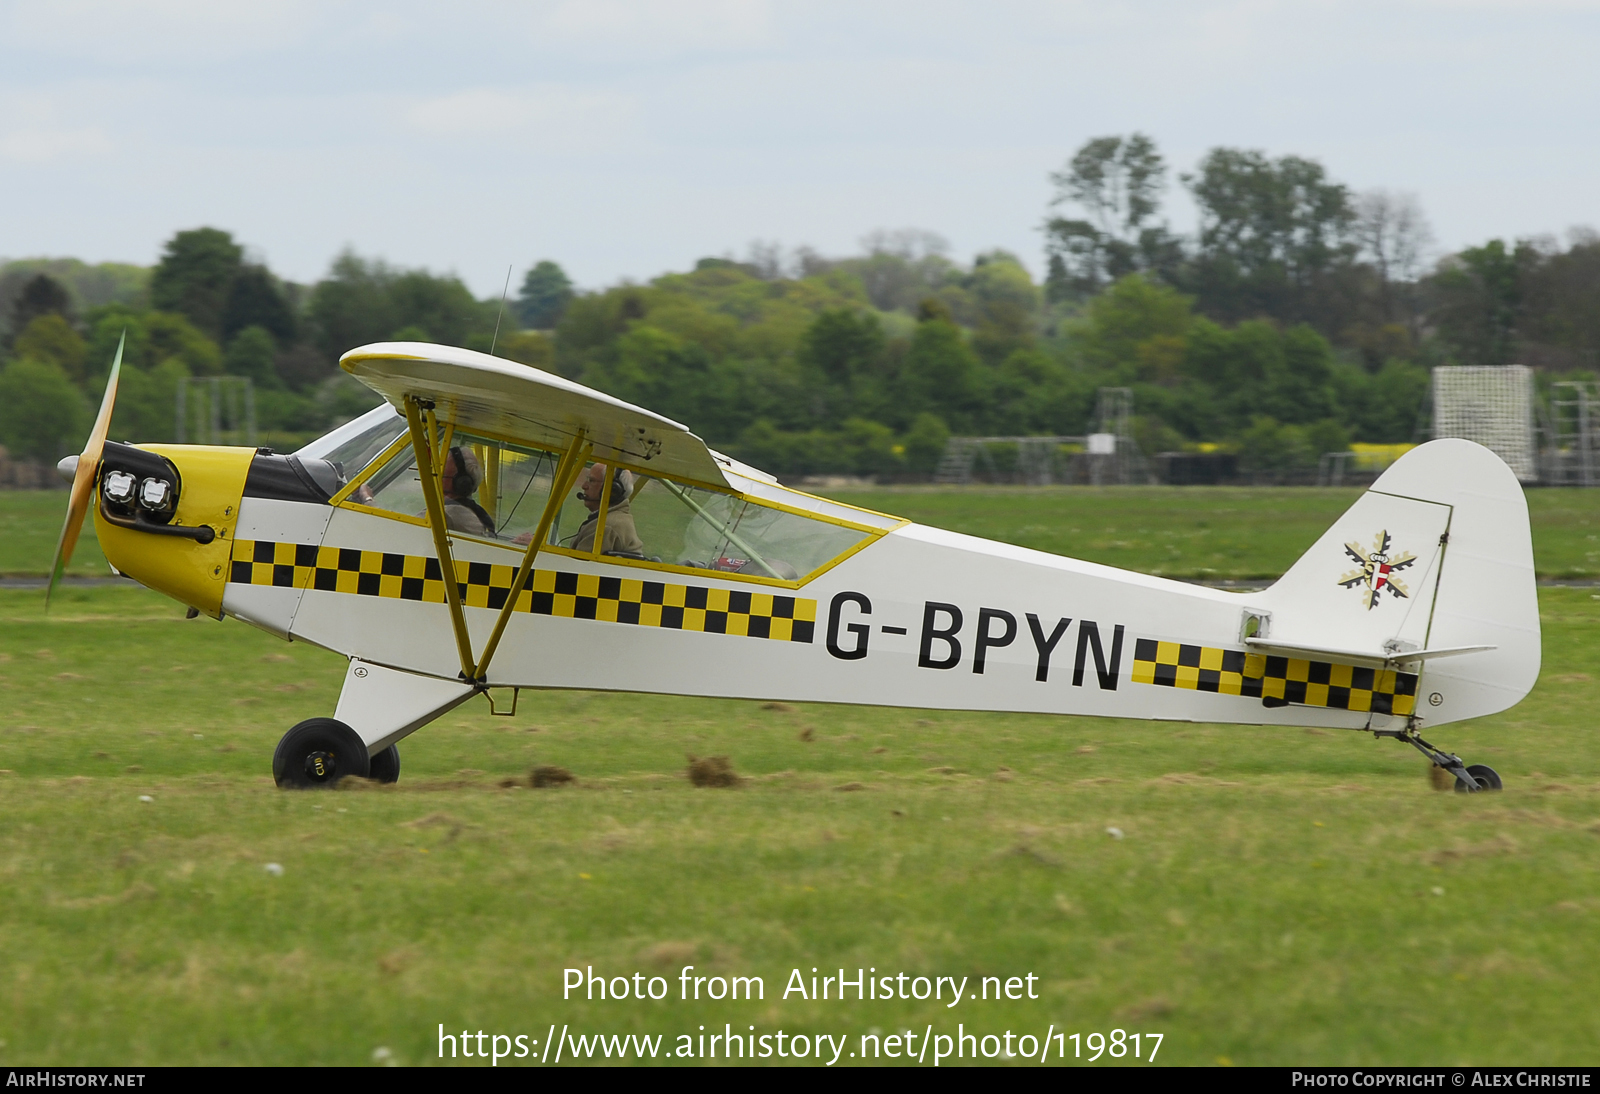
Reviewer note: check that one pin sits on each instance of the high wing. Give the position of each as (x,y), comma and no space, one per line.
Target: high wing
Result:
(491,395)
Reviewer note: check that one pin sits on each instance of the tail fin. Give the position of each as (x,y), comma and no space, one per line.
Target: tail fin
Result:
(1436,556)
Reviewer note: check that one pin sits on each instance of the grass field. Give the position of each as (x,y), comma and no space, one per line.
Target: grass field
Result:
(1276,896)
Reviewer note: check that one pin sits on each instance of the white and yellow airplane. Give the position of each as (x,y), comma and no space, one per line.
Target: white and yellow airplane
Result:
(680,571)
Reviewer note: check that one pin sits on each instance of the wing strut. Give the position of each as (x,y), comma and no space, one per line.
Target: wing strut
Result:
(422,445)
(566,473)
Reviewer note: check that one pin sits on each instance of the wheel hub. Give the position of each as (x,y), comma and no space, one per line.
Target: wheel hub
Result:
(321,766)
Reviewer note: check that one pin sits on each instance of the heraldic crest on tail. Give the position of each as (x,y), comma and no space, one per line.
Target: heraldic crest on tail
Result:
(1377,567)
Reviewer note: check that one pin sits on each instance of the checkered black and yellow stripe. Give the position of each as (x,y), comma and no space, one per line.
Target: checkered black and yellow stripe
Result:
(547,592)
(1272,679)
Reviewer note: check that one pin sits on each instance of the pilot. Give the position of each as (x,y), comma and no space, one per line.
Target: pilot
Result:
(459,481)
(621,537)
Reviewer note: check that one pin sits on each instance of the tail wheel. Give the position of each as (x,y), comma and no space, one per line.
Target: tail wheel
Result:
(385,765)
(1488,778)
(318,753)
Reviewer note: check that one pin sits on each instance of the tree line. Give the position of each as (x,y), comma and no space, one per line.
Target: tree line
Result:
(1298,317)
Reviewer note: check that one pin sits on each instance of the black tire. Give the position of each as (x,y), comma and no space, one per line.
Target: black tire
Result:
(318,753)
(1488,778)
(385,766)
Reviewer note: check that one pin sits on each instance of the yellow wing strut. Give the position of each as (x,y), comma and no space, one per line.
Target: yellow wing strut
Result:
(566,472)
(422,446)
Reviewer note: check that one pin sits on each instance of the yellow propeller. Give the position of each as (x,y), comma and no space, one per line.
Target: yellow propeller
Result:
(83,477)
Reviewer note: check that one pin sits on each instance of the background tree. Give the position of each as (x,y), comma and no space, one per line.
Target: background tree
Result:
(546,292)
(1136,331)
(845,349)
(352,305)
(1117,182)
(1479,297)
(174,337)
(51,338)
(255,299)
(1004,308)
(1273,235)
(1560,313)
(1393,234)
(252,354)
(941,375)
(900,268)
(194,276)
(364,300)
(40,295)
(46,415)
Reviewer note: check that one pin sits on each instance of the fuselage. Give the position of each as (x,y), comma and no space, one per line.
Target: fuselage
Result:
(913,617)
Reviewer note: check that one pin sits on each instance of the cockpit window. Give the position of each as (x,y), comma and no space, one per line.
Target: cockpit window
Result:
(498,491)
(354,445)
(701,528)
(490,490)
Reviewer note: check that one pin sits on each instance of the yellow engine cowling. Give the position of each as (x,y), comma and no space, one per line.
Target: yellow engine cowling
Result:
(212,484)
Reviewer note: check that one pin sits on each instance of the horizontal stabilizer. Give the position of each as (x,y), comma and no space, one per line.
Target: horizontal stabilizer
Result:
(1361,657)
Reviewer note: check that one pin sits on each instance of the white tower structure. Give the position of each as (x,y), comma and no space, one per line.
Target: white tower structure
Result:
(1492,405)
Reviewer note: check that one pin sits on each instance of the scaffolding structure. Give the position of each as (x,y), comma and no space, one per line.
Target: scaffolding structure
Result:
(1492,405)
(1108,456)
(216,410)
(1040,460)
(1114,456)
(1568,456)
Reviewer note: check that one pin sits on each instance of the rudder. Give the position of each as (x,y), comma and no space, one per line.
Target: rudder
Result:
(1437,554)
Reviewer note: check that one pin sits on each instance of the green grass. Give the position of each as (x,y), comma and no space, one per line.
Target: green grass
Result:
(1278,897)
(1199,531)
(30,524)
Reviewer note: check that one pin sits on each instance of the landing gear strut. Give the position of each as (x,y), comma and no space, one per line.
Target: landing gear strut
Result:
(1469,780)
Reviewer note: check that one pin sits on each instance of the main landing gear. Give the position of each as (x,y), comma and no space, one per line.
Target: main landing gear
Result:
(320,751)
(1469,780)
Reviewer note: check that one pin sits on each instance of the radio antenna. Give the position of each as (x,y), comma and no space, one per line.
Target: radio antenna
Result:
(495,340)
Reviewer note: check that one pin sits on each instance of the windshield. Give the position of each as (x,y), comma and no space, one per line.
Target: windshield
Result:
(356,443)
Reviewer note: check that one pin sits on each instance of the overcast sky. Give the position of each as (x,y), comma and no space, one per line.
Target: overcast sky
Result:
(623,139)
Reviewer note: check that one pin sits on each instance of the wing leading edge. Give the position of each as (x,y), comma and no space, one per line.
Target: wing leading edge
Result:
(527,405)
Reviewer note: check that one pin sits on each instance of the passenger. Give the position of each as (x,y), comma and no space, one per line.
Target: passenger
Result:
(621,537)
(459,481)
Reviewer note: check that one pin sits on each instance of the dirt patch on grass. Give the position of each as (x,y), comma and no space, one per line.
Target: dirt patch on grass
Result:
(1156,1006)
(396,962)
(712,772)
(1025,850)
(1500,845)
(544,777)
(669,955)
(1188,778)
(452,827)
(139,890)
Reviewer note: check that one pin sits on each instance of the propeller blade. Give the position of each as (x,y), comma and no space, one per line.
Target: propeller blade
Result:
(83,477)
